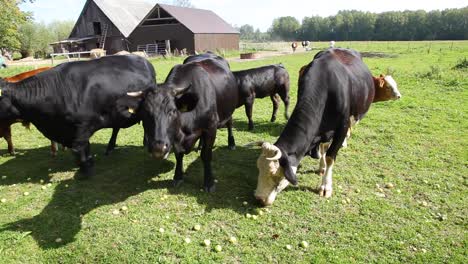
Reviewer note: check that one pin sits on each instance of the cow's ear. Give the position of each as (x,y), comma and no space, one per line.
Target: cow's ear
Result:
(289,174)
(381,82)
(186,102)
(129,104)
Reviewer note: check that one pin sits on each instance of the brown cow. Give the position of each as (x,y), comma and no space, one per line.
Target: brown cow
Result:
(5,126)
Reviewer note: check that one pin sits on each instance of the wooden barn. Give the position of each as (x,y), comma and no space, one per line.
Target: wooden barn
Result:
(136,25)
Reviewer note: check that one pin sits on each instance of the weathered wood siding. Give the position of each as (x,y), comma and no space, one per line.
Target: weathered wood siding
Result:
(84,25)
(212,42)
(180,36)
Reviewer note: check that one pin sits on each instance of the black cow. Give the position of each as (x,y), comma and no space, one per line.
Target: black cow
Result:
(197,98)
(271,80)
(70,102)
(335,90)
(204,56)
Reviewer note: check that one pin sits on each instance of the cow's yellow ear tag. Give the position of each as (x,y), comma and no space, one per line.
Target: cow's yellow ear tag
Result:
(131,110)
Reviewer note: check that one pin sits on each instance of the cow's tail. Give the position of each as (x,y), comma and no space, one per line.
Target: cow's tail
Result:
(281,65)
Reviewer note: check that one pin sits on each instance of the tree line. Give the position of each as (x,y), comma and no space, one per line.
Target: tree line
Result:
(348,25)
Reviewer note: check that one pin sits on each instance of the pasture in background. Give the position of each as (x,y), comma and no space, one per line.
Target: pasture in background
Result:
(400,188)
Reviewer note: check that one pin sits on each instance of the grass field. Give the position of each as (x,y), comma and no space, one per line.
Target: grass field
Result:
(419,144)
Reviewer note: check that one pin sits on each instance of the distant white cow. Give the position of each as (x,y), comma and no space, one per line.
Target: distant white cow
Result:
(332,44)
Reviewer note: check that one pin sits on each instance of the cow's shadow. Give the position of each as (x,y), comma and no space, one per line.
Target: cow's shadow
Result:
(272,128)
(236,174)
(124,174)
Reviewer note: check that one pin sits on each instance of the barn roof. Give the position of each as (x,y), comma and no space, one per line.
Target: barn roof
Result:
(198,21)
(126,15)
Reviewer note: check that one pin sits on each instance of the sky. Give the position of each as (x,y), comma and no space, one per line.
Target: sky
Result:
(258,13)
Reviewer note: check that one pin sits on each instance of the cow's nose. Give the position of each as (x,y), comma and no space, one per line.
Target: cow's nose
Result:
(260,200)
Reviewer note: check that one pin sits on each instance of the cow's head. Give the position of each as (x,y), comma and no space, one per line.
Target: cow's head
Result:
(386,89)
(7,109)
(160,110)
(274,173)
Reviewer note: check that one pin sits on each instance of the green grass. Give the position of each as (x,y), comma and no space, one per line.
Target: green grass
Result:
(418,143)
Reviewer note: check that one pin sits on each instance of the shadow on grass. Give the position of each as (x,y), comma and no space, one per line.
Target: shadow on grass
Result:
(272,128)
(123,174)
(236,173)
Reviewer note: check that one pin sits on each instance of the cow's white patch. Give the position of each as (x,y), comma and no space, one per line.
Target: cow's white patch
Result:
(322,162)
(391,83)
(294,169)
(326,188)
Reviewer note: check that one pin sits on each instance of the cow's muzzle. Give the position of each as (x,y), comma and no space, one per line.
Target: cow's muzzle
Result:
(160,150)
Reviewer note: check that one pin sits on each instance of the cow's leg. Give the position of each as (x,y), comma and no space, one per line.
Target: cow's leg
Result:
(53,148)
(322,158)
(7,136)
(206,156)
(275,100)
(81,151)
(112,141)
(326,189)
(179,170)
(231,141)
(248,110)
(284,94)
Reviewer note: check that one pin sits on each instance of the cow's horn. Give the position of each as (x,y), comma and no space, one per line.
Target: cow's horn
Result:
(270,146)
(254,144)
(135,94)
(180,90)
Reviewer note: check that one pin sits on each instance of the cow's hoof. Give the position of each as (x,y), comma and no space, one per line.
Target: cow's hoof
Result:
(273,119)
(177,183)
(324,192)
(210,189)
(232,147)
(251,127)
(84,174)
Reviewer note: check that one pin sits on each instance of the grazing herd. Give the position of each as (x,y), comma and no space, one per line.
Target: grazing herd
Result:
(70,102)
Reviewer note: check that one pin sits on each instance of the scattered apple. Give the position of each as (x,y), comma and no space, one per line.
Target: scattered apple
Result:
(207,242)
(218,248)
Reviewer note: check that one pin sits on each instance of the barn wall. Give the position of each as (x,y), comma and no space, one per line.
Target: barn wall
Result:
(205,42)
(84,25)
(180,36)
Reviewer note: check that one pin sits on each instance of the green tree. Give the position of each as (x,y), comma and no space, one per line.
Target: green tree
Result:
(35,38)
(247,32)
(11,18)
(286,28)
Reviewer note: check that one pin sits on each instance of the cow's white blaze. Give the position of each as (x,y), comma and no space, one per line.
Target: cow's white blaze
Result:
(391,84)
(271,179)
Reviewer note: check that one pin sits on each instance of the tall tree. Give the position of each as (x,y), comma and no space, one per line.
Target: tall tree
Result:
(11,18)
(286,28)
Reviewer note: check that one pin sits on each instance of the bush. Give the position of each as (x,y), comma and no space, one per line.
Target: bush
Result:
(435,73)
(461,64)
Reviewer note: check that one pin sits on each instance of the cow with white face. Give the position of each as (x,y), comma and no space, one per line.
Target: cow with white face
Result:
(385,89)
(335,89)
(272,178)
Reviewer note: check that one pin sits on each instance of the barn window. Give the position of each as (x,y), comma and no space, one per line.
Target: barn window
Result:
(97,28)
